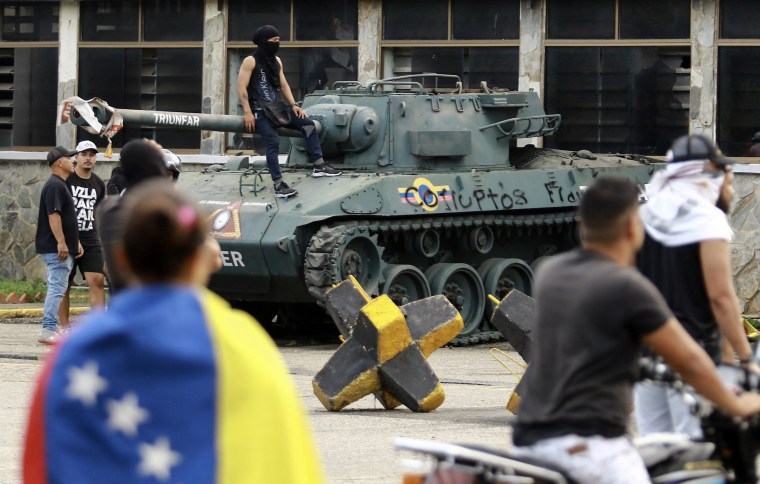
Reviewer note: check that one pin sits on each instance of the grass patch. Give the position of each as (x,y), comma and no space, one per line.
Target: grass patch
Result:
(33,287)
(20,287)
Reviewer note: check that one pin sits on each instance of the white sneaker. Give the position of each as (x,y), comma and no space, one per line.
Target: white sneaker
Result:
(48,336)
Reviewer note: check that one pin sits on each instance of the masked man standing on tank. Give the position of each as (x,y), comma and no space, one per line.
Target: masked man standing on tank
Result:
(261,80)
(88,191)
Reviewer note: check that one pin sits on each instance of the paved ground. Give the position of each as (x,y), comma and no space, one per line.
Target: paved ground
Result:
(356,444)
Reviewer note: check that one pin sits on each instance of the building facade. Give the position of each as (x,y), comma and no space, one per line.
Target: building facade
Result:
(626,75)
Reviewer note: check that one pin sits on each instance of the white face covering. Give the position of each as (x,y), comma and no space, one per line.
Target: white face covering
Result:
(682,205)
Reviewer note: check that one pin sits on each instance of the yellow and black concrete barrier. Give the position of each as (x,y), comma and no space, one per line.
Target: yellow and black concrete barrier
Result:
(385,349)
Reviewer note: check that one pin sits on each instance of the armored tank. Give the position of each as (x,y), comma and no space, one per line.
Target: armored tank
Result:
(441,193)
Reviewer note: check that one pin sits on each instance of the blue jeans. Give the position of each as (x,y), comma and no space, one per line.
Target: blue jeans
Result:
(57,282)
(272,140)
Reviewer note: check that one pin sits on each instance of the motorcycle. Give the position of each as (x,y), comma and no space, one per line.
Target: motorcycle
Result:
(727,453)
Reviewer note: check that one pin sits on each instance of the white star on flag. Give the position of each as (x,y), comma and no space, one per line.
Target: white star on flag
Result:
(85,383)
(157,459)
(126,414)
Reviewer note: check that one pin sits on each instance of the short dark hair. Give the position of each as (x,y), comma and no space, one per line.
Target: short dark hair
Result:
(605,208)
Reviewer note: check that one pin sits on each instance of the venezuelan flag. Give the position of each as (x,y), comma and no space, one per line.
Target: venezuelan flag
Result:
(169,385)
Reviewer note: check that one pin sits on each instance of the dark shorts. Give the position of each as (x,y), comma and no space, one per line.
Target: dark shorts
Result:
(91,261)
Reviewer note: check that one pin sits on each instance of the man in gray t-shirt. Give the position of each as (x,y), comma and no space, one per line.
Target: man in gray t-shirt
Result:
(594,312)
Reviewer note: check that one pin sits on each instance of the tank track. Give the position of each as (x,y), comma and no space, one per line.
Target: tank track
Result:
(322,260)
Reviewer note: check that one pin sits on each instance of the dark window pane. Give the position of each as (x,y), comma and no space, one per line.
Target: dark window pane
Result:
(337,20)
(30,21)
(738,98)
(306,69)
(114,76)
(6,97)
(34,80)
(655,19)
(486,19)
(170,20)
(497,66)
(581,19)
(149,79)
(246,16)
(740,19)
(321,67)
(618,99)
(114,20)
(421,20)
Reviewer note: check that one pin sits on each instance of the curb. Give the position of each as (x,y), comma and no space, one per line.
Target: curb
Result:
(34,312)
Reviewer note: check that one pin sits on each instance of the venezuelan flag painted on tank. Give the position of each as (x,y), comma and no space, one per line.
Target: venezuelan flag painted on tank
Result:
(169,385)
(425,194)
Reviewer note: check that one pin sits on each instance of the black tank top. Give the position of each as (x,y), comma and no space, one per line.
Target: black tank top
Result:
(677,273)
(260,87)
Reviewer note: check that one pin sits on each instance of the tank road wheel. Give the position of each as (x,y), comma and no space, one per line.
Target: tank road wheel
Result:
(481,239)
(427,243)
(335,252)
(359,256)
(502,275)
(405,283)
(461,285)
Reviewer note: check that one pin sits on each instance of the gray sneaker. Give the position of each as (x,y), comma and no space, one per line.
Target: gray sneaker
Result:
(48,336)
(282,190)
(325,170)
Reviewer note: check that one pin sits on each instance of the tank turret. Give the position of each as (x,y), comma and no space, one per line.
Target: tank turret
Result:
(436,197)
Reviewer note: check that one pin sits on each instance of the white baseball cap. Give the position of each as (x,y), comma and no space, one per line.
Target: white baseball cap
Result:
(86,145)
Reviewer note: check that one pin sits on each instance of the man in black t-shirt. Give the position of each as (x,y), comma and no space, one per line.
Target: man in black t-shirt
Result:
(593,313)
(57,237)
(88,190)
(687,238)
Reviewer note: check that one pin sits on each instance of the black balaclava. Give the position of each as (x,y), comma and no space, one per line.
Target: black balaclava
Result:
(141,161)
(265,53)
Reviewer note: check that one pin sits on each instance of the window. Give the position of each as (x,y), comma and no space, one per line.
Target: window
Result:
(170,20)
(738,98)
(29,21)
(485,19)
(420,20)
(28,94)
(476,40)
(245,17)
(655,19)
(115,21)
(739,19)
(580,19)
(618,99)
(498,67)
(337,19)
(162,79)
(637,19)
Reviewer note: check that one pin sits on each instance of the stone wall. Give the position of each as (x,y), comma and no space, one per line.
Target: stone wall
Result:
(21,182)
(745,249)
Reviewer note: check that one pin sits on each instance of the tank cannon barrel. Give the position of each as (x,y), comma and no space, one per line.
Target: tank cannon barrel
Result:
(101,118)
